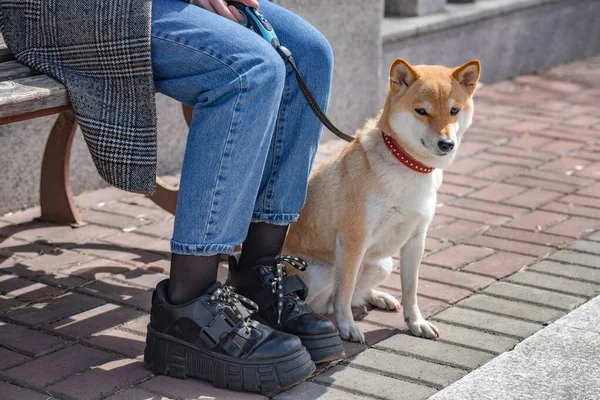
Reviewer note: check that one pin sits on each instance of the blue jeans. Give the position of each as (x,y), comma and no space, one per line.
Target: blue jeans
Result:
(253,137)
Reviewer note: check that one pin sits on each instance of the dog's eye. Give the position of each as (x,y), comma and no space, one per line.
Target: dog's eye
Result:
(454,111)
(420,111)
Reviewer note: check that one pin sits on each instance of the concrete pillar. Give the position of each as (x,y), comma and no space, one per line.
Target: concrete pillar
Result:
(353,27)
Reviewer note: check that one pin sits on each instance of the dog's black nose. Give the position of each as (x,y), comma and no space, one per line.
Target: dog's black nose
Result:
(446,145)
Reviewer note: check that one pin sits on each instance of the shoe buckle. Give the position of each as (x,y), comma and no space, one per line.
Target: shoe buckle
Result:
(212,333)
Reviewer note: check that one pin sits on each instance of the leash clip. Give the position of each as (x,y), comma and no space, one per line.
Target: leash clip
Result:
(284,52)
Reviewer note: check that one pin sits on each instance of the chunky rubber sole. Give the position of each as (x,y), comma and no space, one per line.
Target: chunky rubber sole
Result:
(324,348)
(166,355)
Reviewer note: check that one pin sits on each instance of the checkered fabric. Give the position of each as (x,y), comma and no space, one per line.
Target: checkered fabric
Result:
(100,50)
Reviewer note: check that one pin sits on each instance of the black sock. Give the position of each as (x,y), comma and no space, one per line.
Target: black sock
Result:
(263,240)
(191,276)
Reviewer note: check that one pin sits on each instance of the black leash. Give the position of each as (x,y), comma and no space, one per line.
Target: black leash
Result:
(287,56)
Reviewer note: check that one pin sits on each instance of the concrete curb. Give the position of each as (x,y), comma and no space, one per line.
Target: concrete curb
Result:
(560,361)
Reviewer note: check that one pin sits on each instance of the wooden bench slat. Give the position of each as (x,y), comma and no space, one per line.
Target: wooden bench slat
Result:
(35,114)
(15,70)
(30,95)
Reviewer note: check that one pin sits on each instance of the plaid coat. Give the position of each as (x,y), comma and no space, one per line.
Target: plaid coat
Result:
(100,50)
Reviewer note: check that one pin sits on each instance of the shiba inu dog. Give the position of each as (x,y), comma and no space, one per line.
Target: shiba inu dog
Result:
(377,197)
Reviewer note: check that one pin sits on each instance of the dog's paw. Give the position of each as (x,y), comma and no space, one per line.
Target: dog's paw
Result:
(422,328)
(351,332)
(383,300)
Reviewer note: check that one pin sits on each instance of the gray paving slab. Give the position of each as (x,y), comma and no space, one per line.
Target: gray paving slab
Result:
(566,366)
(586,246)
(585,317)
(568,270)
(594,236)
(399,366)
(371,384)
(576,257)
(313,391)
(488,322)
(564,285)
(456,356)
(511,308)
(540,296)
(474,339)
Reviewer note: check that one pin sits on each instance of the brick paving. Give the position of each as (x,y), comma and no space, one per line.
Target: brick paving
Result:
(513,247)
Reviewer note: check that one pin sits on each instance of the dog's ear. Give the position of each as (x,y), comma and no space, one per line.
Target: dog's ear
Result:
(402,75)
(468,75)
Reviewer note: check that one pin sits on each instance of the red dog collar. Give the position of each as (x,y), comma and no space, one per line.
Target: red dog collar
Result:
(403,156)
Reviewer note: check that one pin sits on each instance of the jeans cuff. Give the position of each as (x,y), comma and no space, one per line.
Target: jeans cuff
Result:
(190,249)
(275,219)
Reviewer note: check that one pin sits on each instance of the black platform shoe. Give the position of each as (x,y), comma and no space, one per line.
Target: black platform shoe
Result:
(214,338)
(281,305)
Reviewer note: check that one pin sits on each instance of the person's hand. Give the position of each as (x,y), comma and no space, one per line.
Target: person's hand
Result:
(220,7)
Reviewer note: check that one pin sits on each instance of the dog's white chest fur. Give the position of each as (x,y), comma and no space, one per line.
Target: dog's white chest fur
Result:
(406,206)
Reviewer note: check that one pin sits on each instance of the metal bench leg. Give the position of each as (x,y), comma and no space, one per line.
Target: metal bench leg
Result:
(165,197)
(56,197)
(187,114)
